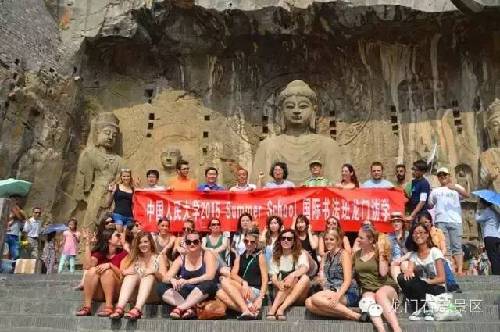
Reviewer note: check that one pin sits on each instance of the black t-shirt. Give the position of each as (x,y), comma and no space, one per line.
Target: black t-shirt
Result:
(123,202)
(420,188)
(250,270)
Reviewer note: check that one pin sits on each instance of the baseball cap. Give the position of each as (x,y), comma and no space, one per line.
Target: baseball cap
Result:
(315,162)
(443,170)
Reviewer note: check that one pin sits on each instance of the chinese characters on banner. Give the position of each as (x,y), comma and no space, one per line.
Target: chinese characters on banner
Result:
(349,206)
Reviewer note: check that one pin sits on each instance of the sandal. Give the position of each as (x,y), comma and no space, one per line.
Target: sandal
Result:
(189,314)
(281,317)
(106,311)
(176,313)
(133,314)
(84,311)
(270,317)
(247,315)
(117,314)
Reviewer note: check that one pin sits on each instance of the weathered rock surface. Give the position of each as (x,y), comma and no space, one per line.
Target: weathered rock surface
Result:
(393,78)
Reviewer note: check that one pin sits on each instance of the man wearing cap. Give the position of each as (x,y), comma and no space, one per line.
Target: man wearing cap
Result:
(448,214)
(316,179)
(377,180)
(420,190)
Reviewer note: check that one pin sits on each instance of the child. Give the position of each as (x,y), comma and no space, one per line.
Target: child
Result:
(71,238)
(49,253)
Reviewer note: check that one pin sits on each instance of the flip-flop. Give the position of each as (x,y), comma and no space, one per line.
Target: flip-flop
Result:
(281,317)
(246,316)
(270,317)
(176,313)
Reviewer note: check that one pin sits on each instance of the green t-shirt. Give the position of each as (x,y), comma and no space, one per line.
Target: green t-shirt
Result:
(317,182)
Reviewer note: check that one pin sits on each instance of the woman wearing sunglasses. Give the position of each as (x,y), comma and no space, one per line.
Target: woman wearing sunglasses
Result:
(180,247)
(139,270)
(340,290)
(216,242)
(288,270)
(247,286)
(190,280)
(103,276)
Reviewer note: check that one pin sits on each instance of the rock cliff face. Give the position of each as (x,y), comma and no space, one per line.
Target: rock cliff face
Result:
(396,80)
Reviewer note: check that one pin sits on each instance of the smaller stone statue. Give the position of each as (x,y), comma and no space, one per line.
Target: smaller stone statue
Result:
(169,158)
(490,159)
(97,167)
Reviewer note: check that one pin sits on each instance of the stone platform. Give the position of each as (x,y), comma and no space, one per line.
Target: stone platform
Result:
(47,303)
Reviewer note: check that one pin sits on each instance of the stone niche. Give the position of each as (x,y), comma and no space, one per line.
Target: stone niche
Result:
(393,84)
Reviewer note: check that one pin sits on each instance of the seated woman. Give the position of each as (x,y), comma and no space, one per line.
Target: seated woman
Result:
(340,290)
(372,271)
(269,236)
(139,269)
(165,240)
(245,224)
(397,240)
(288,272)
(190,279)
(332,223)
(425,273)
(103,271)
(247,286)
(308,240)
(179,246)
(216,242)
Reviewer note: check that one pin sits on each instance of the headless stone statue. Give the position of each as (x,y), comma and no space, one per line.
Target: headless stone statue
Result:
(490,159)
(298,145)
(97,167)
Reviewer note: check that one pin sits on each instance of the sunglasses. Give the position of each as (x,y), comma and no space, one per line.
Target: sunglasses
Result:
(287,238)
(249,241)
(192,242)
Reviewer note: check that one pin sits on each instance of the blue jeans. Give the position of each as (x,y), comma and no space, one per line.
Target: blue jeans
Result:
(13,243)
(448,273)
(122,220)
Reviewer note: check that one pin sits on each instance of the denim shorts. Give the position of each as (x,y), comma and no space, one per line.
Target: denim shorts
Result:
(352,297)
(453,234)
(122,220)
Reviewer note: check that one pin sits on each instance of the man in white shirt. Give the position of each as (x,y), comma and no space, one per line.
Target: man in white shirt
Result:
(377,180)
(32,228)
(242,182)
(448,214)
(152,179)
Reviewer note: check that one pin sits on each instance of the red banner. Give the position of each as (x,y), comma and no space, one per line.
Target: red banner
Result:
(351,207)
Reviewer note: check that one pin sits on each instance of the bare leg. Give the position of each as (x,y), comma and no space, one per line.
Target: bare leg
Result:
(385,297)
(459,263)
(108,283)
(321,302)
(172,297)
(376,321)
(195,297)
(224,297)
(235,294)
(278,300)
(128,286)
(299,289)
(90,282)
(144,290)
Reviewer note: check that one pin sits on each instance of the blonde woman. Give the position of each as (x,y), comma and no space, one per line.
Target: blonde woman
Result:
(139,269)
(121,195)
(332,223)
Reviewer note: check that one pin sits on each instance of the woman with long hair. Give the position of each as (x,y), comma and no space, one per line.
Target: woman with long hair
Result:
(269,236)
(288,270)
(349,178)
(104,274)
(247,286)
(308,240)
(378,290)
(425,273)
(215,241)
(489,219)
(245,224)
(332,223)
(165,240)
(139,270)
(190,279)
(121,194)
(180,246)
(340,290)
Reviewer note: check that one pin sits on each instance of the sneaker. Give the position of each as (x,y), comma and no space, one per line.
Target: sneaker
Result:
(428,316)
(417,315)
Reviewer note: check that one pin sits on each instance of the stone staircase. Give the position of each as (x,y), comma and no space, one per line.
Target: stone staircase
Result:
(47,303)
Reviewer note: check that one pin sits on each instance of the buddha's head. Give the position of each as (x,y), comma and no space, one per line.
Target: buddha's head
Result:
(107,130)
(169,157)
(493,123)
(298,102)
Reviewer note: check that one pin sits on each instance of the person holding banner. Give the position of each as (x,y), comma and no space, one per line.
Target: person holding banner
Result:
(247,286)
(190,279)
(182,182)
(242,182)
(349,178)
(288,270)
(211,174)
(316,179)
(372,274)
(279,173)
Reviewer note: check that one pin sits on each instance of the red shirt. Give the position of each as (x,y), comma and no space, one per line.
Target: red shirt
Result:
(115,260)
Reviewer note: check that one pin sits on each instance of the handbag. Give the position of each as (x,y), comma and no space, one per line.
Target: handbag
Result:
(442,307)
(211,309)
